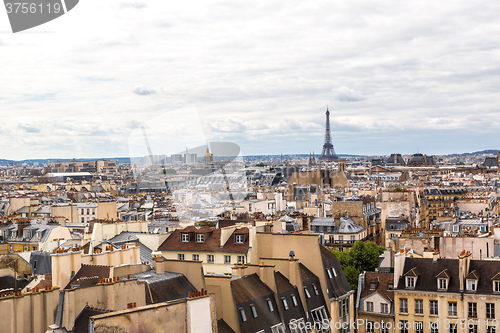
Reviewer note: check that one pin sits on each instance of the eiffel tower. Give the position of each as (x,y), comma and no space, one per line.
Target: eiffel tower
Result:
(328,152)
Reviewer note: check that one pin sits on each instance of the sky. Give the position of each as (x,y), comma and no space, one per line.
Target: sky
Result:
(109,76)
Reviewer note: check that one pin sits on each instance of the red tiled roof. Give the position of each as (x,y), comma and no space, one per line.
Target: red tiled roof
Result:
(211,242)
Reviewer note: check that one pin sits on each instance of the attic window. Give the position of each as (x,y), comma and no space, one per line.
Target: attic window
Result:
(372,286)
(239,239)
(307,292)
(254,310)
(329,273)
(496,286)
(410,282)
(200,238)
(294,299)
(442,284)
(270,305)
(471,285)
(315,289)
(185,238)
(243,315)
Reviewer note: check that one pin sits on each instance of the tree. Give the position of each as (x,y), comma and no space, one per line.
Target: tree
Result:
(363,256)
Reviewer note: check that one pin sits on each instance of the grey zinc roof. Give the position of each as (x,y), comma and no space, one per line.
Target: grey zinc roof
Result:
(348,226)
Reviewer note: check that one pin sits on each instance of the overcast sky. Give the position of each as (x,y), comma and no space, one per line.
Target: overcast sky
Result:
(397,76)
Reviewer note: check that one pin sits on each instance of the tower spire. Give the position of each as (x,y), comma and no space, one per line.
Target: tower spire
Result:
(328,152)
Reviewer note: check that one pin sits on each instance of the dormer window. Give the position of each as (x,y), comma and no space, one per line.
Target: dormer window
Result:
(410,282)
(185,238)
(239,239)
(372,286)
(200,238)
(496,286)
(471,285)
(442,284)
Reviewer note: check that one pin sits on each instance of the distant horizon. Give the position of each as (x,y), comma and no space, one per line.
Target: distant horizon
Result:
(484,151)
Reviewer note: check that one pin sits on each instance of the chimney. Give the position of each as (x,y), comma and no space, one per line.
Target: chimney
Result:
(159,265)
(399,263)
(463,267)
(435,256)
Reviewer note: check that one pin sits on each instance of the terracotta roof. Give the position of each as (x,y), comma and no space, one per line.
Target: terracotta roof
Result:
(249,288)
(383,280)
(210,244)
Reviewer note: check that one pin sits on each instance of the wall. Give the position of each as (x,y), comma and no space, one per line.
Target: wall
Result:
(220,286)
(173,316)
(29,313)
(109,296)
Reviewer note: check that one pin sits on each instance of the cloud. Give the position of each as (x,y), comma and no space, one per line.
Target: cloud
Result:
(346,94)
(143,91)
(134,5)
(29,129)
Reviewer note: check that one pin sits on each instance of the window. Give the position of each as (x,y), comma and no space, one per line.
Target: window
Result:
(316,292)
(227,259)
(419,327)
(278,329)
(384,308)
(372,286)
(185,238)
(433,305)
(88,211)
(369,306)
(210,258)
(243,315)
(419,306)
(341,239)
(403,326)
(329,273)
(472,328)
(433,327)
(369,327)
(334,272)
(472,310)
(307,292)
(241,259)
(353,238)
(453,328)
(181,256)
(490,310)
(239,239)
(254,310)
(83,219)
(452,309)
(196,257)
(34,248)
(200,238)
(403,305)
(490,329)
(496,286)
(471,285)
(442,284)
(410,282)
(285,303)
(456,228)
(34,264)
(294,300)
(319,315)
(270,305)
(298,326)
